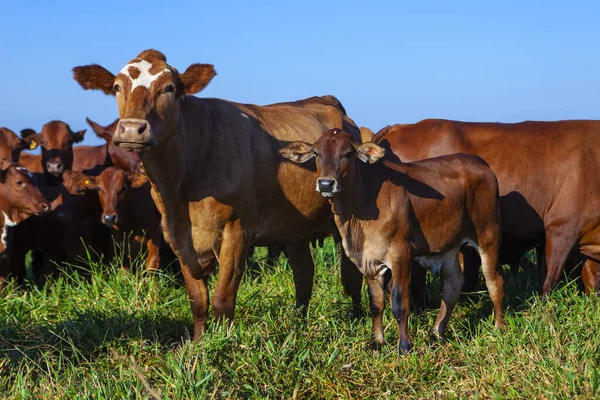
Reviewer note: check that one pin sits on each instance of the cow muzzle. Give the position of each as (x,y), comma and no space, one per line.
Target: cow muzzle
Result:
(133,134)
(109,219)
(55,167)
(327,187)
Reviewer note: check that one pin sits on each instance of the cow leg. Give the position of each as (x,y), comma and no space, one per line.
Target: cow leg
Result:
(198,294)
(453,280)
(303,268)
(558,247)
(377,304)
(153,258)
(401,270)
(232,261)
(590,275)
(494,283)
(418,288)
(470,267)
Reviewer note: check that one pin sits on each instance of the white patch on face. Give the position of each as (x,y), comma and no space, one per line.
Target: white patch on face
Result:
(145,79)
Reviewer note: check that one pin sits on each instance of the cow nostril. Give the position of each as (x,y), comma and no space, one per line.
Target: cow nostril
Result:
(142,128)
(109,218)
(45,207)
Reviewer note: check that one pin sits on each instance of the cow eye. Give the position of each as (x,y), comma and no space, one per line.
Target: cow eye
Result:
(170,88)
(348,154)
(19,183)
(117,87)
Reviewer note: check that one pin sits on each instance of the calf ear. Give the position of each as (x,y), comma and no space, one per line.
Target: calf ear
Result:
(94,77)
(103,132)
(369,152)
(31,138)
(137,180)
(4,164)
(78,136)
(83,182)
(196,77)
(298,152)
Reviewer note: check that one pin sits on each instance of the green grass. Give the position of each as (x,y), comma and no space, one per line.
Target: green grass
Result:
(114,334)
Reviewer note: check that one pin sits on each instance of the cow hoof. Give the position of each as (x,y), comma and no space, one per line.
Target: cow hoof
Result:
(404,347)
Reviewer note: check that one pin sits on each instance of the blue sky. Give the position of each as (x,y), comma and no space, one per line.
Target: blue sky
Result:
(387,61)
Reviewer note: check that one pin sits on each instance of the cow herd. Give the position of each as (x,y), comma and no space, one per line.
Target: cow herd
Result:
(211,178)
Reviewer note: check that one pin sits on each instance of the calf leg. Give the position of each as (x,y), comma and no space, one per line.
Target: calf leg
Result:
(470,267)
(493,282)
(350,274)
(453,280)
(377,304)
(153,257)
(418,288)
(198,294)
(558,246)
(232,261)
(401,270)
(303,268)
(590,275)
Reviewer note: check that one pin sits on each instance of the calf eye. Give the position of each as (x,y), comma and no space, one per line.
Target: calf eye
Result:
(170,88)
(19,183)
(117,87)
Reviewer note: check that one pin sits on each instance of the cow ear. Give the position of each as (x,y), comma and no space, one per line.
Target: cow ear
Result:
(369,152)
(298,152)
(196,77)
(4,165)
(78,136)
(137,180)
(95,77)
(31,138)
(83,182)
(104,132)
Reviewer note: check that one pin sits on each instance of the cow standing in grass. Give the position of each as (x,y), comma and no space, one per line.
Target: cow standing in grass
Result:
(391,214)
(216,176)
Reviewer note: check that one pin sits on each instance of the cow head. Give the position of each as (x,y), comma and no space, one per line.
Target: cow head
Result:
(11,145)
(114,185)
(56,139)
(148,91)
(335,152)
(66,198)
(19,197)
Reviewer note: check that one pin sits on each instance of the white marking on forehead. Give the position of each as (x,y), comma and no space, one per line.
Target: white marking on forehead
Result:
(145,79)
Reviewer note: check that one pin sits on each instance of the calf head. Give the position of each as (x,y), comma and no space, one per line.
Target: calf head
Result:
(67,197)
(148,91)
(11,145)
(19,197)
(335,152)
(114,185)
(56,139)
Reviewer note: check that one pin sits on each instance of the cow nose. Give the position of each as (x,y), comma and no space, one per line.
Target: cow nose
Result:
(55,167)
(45,207)
(326,185)
(132,127)
(109,219)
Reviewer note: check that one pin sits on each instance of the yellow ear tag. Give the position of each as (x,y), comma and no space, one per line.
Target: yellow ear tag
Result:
(87,181)
(32,145)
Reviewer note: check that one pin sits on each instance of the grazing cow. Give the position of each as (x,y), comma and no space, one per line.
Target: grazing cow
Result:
(11,145)
(216,177)
(54,237)
(19,199)
(390,214)
(130,213)
(56,139)
(546,175)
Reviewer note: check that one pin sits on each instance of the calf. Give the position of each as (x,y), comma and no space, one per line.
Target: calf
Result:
(130,213)
(11,145)
(56,139)
(391,214)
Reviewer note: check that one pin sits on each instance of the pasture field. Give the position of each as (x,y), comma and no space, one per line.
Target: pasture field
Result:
(99,332)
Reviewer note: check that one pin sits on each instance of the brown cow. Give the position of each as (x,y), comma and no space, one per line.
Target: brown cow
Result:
(56,139)
(11,145)
(390,214)
(216,176)
(546,173)
(129,212)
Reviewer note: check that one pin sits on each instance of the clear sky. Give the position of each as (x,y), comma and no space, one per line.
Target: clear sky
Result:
(387,61)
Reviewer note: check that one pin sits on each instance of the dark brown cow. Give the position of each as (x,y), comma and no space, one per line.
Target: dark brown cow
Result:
(390,214)
(11,145)
(216,176)
(546,173)
(56,139)
(128,210)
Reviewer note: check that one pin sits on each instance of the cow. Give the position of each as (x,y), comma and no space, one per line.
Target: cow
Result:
(56,139)
(130,213)
(545,170)
(56,236)
(391,214)
(19,200)
(216,176)
(11,145)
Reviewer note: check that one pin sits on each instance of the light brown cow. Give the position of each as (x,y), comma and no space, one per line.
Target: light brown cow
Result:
(129,212)
(391,214)
(547,177)
(216,176)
